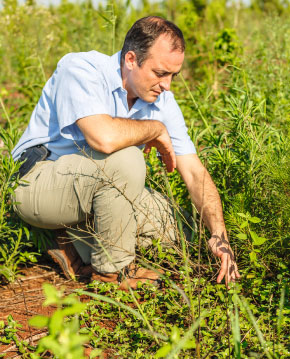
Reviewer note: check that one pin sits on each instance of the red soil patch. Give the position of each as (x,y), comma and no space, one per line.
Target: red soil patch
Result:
(23,300)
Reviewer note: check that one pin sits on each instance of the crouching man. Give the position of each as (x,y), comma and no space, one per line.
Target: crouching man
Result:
(83,158)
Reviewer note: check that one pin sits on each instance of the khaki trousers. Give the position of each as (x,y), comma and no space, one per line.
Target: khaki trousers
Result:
(102,202)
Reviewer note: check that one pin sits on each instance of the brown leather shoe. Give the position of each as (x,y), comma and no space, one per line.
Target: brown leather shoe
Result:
(130,276)
(65,255)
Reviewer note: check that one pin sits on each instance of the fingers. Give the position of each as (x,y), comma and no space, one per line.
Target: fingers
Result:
(164,147)
(228,270)
(170,161)
(223,271)
(147,148)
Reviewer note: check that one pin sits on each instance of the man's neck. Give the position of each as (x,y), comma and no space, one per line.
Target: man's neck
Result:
(130,100)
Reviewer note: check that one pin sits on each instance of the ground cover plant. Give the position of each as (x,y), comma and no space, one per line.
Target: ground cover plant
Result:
(234,93)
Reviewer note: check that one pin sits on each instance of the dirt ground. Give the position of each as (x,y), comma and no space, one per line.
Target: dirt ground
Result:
(23,300)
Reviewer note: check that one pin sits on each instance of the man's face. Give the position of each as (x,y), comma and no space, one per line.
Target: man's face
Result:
(156,72)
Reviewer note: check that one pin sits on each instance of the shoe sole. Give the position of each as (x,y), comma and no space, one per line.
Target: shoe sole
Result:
(58,259)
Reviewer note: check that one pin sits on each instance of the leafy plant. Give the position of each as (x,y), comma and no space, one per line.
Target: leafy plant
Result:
(63,339)
(245,233)
(227,47)
(14,234)
(176,343)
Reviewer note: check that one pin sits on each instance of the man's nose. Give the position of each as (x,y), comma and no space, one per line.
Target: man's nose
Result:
(165,83)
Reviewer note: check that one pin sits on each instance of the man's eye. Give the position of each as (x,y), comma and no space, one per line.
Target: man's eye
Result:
(159,74)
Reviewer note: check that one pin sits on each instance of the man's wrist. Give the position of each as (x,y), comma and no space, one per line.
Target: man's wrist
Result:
(220,233)
(160,127)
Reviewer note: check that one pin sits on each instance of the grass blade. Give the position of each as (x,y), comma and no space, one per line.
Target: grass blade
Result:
(280,314)
(235,322)
(111,301)
(177,348)
(252,319)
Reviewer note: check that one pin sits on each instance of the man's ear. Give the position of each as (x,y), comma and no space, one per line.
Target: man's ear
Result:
(130,60)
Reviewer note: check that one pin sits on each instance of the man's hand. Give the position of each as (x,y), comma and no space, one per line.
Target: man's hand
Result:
(221,248)
(164,147)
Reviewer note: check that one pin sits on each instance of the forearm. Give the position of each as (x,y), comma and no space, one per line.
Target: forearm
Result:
(106,134)
(202,191)
(207,201)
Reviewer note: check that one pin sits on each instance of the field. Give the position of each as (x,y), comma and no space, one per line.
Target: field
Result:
(235,96)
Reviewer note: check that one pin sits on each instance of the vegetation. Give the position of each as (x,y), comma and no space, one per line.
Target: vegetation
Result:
(234,93)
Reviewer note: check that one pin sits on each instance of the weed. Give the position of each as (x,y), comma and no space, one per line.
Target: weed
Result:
(63,339)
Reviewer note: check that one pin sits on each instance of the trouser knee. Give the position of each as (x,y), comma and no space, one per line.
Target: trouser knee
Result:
(127,170)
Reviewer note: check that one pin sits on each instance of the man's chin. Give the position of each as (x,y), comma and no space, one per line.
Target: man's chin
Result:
(151,98)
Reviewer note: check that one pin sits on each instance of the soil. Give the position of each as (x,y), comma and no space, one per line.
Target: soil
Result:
(23,299)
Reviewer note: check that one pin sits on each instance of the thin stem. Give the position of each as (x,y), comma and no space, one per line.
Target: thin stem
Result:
(183,239)
(196,105)
(280,315)
(41,68)
(5,112)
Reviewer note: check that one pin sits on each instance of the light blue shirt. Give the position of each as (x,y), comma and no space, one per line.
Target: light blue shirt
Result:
(90,83)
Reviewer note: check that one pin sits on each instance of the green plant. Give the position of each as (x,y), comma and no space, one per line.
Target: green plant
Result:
(176,343)
(245,233)
(227,47)
(14,233)
(63,339)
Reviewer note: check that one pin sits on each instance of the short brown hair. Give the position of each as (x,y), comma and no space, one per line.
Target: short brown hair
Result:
(145,32)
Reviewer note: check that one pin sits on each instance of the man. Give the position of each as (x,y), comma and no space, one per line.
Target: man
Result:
(93,113)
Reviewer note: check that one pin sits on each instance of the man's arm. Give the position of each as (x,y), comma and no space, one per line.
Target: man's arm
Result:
(205,197)
(106,134)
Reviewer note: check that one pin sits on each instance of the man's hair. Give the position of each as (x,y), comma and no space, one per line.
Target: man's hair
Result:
(145,32)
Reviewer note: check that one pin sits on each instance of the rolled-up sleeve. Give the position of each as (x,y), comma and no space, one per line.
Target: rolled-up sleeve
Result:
(78,90)
(174,121)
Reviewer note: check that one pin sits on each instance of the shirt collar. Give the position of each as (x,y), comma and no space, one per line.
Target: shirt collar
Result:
(116,79)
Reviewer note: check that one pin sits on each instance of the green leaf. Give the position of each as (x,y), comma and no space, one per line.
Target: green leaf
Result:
(190,344)
(242,236)
(75,309)
(84,330)
(104,17)
(56,322)
(27,233)
(39,321)
(254,219)
(27,256)
(7,273)
(51,294)
(251,275)
(253,256)
(257,241)
(163,351)
(242,215)
(51,344)
(254,236)
(260,241)
(221,295)
(244,224)
(175,334)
